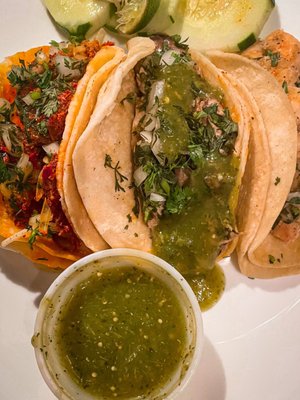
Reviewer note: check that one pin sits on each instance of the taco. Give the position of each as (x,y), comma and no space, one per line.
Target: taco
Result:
(41,93)
(269,245)
(160,162)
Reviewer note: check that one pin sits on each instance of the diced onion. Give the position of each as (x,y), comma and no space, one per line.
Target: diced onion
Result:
(63,69)
(4,105)
(28,100)
(169,57)
(34,221)
(19,235)
(41,57)
(155,92)
(51,148)
(7,140)
(157,150)
(39,192)
(25,165)
(150,123)
(45,218)
(147,136)
(157,197)
(139,176)
(22,163)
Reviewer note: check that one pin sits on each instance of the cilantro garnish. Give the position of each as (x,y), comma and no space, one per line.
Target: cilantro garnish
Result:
(272,259)
(119,178)
(274,57)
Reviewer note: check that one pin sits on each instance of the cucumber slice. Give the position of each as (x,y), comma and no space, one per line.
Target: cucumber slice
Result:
(222,24)
(168,13)
(80,18)
(132,16)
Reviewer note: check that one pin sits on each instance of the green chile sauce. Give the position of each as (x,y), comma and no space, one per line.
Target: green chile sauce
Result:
(122,334)
(196,219)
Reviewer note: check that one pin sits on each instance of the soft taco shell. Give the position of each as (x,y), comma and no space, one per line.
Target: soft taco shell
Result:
(109,131)
(257,244)
(80,110)
(45,251)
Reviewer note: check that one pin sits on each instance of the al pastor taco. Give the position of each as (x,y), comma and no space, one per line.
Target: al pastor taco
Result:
(41,93)
(160,162)
(269,245)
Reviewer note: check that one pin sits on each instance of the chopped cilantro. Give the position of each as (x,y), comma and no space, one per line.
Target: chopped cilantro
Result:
(177,200)
(274,57)
(285,87)
(119,178)
(272,259)
(33,236)
(5,173)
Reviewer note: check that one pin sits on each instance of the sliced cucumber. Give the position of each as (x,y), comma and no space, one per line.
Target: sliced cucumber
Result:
(168,13)
(80,18)
(132,16)
(228,25)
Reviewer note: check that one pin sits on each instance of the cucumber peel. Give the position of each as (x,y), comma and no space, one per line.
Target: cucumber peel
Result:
(78,19)
(222,24)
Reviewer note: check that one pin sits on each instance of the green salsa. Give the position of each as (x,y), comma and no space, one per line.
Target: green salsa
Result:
(189,167)
(208,286)
(122,334)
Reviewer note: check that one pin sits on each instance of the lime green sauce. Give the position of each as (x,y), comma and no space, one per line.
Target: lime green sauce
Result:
(178,92)
(122,334)
(208,286)
(191,240)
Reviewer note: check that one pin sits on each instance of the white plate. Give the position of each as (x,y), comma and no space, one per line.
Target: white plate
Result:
(252,345)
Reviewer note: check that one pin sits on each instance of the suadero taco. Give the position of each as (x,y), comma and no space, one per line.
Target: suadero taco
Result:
(159,165)
(41,92)
(269,245)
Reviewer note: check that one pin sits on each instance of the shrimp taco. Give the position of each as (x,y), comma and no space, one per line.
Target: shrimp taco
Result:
(41,95)
(269,213)
(159,165)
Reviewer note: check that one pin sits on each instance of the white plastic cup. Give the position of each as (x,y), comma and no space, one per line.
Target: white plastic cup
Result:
(58,380)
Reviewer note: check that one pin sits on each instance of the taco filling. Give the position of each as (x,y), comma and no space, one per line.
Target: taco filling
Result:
(185,169)
(33,110)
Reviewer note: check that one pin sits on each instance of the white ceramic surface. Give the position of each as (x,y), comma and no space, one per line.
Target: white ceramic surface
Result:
(252,345)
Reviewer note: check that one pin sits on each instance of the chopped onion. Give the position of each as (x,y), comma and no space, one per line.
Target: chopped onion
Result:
(22,163)
(169,57)
(28,100)
(147,136)
(155,92)
(39,192)
(157,150)
(45,218)
(150,123)
(7,140)
(139,176)
(157,197)
(19,235)
(4,105)
(34,221)
(25,165)
(41,57)
(63,69)
(51,149)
